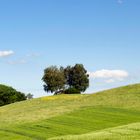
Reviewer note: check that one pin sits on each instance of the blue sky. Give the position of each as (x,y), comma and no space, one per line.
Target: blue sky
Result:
(104,35)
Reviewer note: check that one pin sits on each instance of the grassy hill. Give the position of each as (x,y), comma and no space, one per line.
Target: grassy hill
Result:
(110,114)
(126,132)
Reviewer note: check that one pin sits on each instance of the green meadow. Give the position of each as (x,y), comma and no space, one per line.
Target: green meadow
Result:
(109,115)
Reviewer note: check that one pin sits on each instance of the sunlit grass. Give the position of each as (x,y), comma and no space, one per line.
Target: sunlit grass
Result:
(60,115)
(126,132)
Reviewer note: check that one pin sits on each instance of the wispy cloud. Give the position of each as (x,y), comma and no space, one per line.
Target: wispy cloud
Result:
(110,81)
(6,53)
(33,55)
(110,76)
(120,1)
(21,61)
(25,59)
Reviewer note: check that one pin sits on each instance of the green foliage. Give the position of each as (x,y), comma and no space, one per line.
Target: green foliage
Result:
(54,79)
(77,77)
(72,91)
(9,95)
(66,79)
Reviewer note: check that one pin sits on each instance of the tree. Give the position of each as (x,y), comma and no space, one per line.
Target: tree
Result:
(9,95)
(77,77)
(29,96)
(54,79)
(69,80)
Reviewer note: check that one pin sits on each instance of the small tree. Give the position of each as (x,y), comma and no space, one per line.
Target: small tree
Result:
(54,79)
(29,96)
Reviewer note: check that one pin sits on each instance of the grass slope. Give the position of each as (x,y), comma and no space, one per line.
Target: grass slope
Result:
(55,116)
(126,132)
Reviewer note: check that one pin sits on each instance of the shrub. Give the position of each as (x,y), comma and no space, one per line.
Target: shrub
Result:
(9,95)
(72,91)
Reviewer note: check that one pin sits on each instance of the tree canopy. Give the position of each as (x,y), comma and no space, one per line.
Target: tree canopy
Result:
(72,79)
(54,79)
(77,77)
(10,95)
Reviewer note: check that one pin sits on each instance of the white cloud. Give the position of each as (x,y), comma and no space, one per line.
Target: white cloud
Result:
(6,53)
(109,75)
